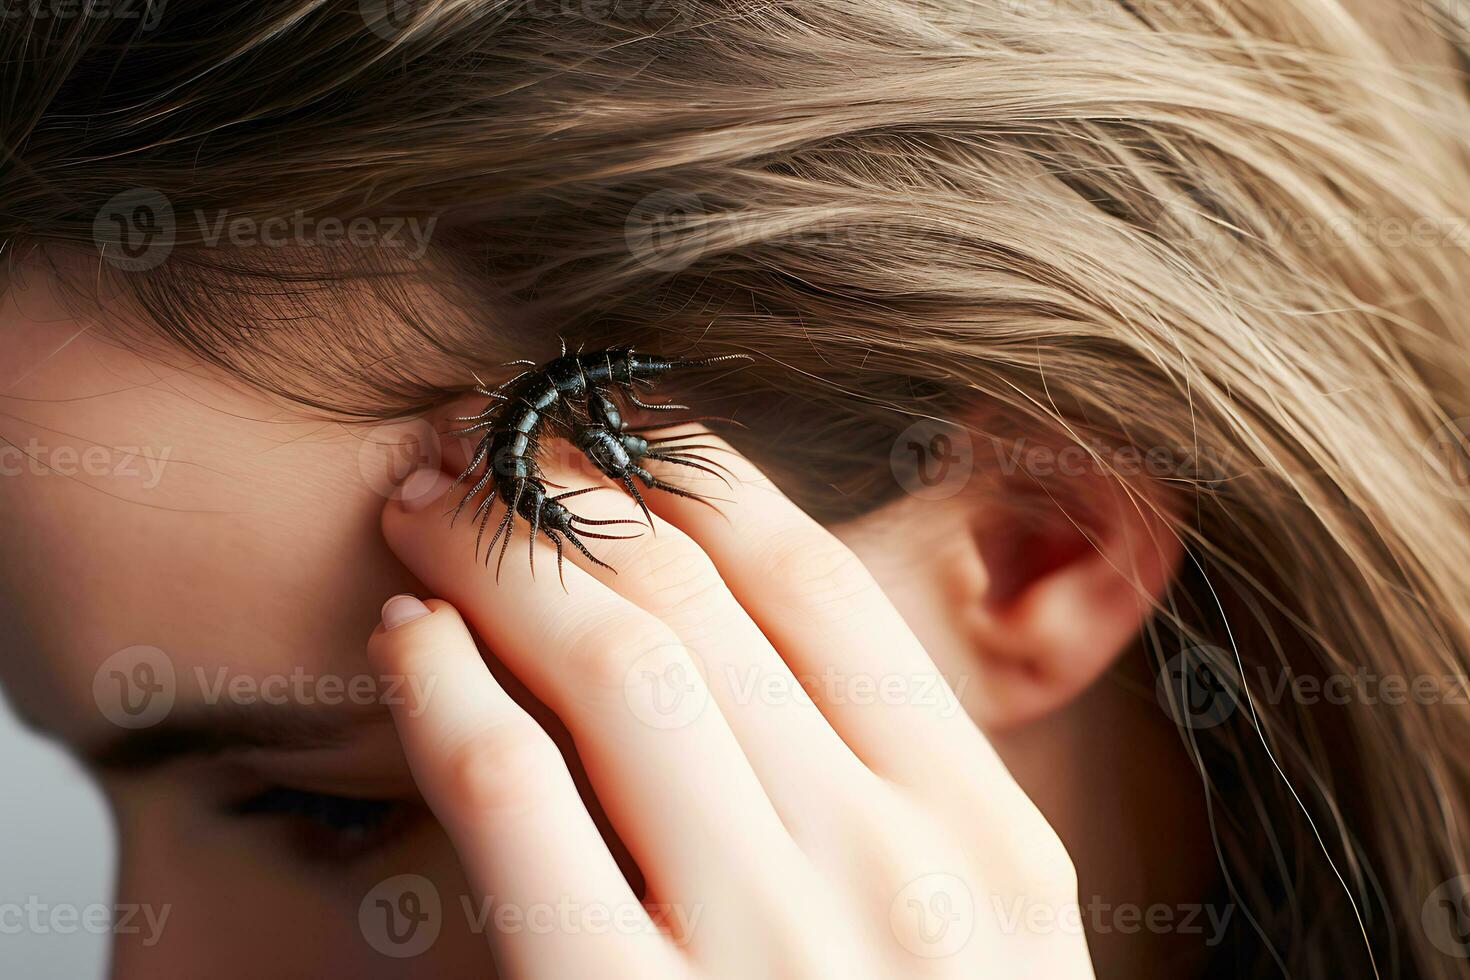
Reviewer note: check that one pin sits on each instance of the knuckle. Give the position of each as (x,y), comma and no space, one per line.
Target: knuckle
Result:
(675,571)
(602,656)
(507,766)
(1049,868)
(415,647)
(815,567)
(1036,861)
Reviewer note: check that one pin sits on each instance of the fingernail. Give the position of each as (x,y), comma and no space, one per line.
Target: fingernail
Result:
(423,487)
(402,609)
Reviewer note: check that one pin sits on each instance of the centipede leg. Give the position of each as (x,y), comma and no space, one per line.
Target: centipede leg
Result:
(637,496)
(654,483)
(577,543)
(531,541)
(505,523)
(688,450)
(476,489)
(483,513)
(512,508)
(489,409)
(694,463)
(560,572)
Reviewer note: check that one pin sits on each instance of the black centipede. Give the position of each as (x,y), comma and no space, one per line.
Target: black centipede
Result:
(573,394)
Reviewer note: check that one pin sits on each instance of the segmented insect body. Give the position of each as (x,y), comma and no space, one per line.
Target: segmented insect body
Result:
(572,394)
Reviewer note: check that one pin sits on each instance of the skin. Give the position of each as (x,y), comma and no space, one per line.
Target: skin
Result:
(769,829)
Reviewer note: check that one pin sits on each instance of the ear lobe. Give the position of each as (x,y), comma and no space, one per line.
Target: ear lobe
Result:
(1065,599)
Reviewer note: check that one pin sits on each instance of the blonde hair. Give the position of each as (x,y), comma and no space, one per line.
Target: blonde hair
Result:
(1236,229)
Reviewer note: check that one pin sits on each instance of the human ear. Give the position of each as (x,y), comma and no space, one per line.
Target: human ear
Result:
(1025,589)
(1067,593)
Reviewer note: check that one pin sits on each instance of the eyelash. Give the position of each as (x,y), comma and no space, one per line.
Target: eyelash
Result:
(328,829)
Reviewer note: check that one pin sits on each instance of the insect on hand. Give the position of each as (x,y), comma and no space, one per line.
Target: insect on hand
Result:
(573,394)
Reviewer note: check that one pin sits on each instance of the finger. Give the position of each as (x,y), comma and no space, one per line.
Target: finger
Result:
(500,788)
(827,616)
(665,765)
(799,759)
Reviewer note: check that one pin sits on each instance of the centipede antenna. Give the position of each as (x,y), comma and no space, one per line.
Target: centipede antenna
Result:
(563,345)
(654,427)
(518,363)
(700,362)
(656,408)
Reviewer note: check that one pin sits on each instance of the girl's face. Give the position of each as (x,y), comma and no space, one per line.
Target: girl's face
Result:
(189,576)
(190,573)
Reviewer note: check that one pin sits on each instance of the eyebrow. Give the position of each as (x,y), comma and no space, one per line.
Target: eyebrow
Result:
(197,730)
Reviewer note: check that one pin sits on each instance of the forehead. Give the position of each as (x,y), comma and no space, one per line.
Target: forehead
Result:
(150,504)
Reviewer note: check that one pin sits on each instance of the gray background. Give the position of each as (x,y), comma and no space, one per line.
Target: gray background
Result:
(56,848)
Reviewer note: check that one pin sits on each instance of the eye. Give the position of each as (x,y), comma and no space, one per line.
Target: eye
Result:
(324,828)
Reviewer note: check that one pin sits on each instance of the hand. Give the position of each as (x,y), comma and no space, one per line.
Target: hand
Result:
(868,830)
